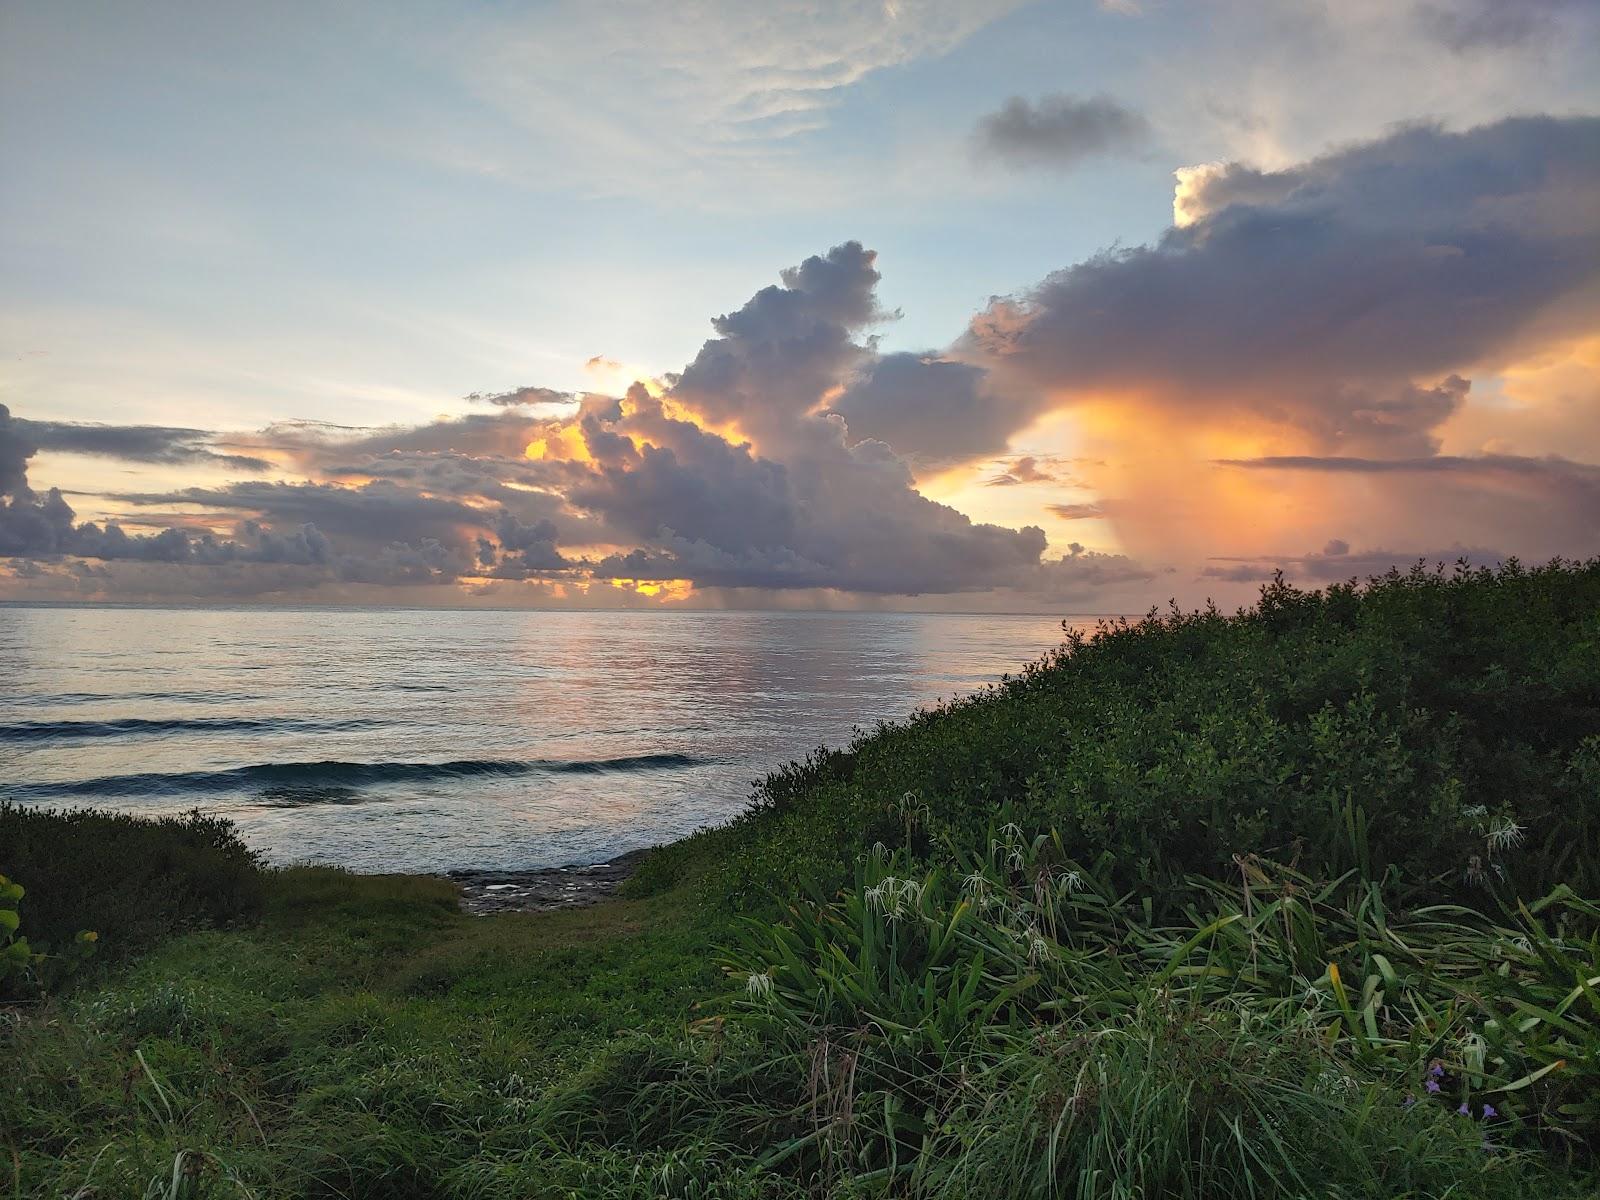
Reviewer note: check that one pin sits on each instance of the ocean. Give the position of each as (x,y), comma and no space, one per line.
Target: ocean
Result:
(411,740)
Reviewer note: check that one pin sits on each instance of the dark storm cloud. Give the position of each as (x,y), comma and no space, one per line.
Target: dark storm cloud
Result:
(134,443)
(691,481)
(1060,130)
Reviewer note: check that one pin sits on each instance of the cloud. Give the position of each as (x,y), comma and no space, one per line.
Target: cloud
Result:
(1025,468)
(395,535)
(743,474)
(1481,465)
(1467,26)
(775,358)
(525,397)
(16,448)
(1078,512)
(1284,367)
(1335,298)
(134,443)
(933,411)
(823,515)
(1060,130)
(639,98)
(1357,309)
(1568,492)
(378,511)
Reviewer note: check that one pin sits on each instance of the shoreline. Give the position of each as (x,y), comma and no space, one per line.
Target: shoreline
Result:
(543,889)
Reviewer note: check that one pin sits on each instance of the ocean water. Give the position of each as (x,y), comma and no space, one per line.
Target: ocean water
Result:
(406,740)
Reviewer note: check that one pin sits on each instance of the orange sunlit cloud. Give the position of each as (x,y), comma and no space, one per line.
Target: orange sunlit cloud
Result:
(666,590)
(564,443)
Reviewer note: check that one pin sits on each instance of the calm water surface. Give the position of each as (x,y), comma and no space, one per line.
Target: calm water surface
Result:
(389,740)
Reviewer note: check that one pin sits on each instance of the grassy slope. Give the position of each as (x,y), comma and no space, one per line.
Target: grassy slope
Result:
(364,1040)
(1053,935)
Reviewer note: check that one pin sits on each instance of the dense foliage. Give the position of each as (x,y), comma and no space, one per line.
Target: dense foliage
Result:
(1296,902)
(1428,721)
(128,880)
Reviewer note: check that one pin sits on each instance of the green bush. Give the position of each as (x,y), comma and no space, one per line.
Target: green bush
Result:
(130,880)
(1433,719)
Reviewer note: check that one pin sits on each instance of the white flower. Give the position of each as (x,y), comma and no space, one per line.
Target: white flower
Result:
(758,984)
(1504,834)
(893,897)
(1037,946)
(977,883)
(1072,881)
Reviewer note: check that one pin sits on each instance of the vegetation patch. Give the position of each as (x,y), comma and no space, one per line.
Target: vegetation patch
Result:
(1295,902)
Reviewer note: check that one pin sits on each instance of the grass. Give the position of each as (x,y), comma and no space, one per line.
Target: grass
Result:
(363,1040)
(1295,902)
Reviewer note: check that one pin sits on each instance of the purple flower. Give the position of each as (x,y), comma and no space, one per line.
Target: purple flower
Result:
(1433,1087)
(1490,1112)
(1436,1071)
(1463,1110)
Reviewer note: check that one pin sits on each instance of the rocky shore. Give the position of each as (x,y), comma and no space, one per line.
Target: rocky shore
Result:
(543,889)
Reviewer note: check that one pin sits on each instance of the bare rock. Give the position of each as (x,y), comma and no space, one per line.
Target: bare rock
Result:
(543,889)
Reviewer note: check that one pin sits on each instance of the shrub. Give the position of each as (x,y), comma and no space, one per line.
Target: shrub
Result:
(129,879)
(1431,718)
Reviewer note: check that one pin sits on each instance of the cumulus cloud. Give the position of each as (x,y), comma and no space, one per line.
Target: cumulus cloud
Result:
(1284,367)
(762,466)
(933,411)
(1336,297)
(1060,130)
(1338,308)
(774,359)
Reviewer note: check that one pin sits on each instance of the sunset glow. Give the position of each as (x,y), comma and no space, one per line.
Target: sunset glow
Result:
(755,343)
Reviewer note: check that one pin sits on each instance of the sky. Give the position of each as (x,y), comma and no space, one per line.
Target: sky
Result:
(1065,307)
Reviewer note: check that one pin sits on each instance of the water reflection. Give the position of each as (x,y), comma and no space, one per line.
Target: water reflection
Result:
(331,734)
